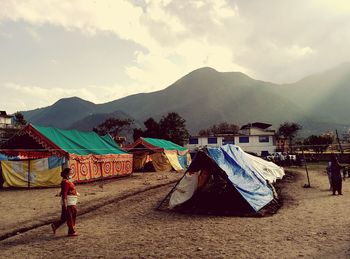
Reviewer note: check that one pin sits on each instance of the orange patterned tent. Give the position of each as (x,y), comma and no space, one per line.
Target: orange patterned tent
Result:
(89,155)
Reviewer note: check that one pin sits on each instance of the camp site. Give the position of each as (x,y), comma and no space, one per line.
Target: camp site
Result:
(175,129)
(215,204)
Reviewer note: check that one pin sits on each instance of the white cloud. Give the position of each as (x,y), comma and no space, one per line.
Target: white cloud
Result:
(155,68)
(221,11)
(270,40)
(119,17)
(295,51)
(34,34)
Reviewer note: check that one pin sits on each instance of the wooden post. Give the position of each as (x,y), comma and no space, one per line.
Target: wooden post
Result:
(338,140)
(308,185)
(28,173)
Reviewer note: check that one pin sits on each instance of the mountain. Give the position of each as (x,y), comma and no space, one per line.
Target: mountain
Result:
(324,95)
(93,120)
(61,114)
(206,96)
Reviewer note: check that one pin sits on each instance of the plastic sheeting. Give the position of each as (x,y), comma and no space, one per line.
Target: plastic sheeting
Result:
(183,161)
(184,190)
(252,186)
(139,161)
(268,170)
(160,162)
(174,160)
(79,142)
(165,144)
(30,173)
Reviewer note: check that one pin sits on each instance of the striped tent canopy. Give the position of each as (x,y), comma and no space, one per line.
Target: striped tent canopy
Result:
(89,155)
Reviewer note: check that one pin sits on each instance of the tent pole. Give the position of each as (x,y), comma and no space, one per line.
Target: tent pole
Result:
(338,140)
(28,173)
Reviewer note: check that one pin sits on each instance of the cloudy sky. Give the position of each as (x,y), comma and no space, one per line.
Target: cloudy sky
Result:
(101,50)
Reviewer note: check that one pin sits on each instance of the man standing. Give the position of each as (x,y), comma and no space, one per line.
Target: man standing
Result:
(69,197)
(335,170)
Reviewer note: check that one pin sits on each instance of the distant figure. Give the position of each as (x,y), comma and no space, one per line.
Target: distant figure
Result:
(329,175)
(69,197)
(336,177)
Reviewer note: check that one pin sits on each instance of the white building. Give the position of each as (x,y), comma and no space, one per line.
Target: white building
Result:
(6,126)
(5,120)
(254,137)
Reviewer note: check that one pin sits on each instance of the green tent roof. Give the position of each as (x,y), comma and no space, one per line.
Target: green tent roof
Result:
(167,145)
(80,143)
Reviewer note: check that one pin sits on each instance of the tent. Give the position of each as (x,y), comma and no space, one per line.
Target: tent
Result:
(163,154)
(45,150)
(226,179)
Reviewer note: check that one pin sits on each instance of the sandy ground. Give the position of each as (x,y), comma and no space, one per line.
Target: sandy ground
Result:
(311,224)
(23,209)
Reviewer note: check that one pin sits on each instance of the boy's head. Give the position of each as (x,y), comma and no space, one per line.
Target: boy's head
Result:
(65,172)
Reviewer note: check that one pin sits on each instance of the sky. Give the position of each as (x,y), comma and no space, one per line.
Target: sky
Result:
(102,50)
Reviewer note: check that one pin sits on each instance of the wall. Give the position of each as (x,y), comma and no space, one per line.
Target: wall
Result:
(254,144)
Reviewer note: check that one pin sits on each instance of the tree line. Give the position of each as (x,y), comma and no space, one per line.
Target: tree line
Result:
(173,127)
(170,127)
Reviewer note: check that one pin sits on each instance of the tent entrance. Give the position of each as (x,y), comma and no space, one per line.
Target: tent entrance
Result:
(215,195)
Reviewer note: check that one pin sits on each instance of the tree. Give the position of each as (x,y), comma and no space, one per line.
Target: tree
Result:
(113,126)
(137,133)
(222,127)
(19,119)
(289,130)
(152,128)
(319,143)
(204,132)
(173,128)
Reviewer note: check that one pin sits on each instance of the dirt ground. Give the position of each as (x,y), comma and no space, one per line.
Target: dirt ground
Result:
(311,223)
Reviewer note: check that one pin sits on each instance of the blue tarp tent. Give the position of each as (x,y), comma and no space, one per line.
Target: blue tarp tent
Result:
(242,176)
(5,157)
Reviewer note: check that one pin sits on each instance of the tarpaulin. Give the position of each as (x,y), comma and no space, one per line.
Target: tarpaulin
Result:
(30,173)
(189,159)
(139,160)
(268,170)
(160,162)
(80,143)
(253,188)
(183,161)
(184,190)
(174,160)
(165,144)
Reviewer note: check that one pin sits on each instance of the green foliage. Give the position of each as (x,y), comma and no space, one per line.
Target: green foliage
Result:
(289,130)
(19,119)
(152,128)
(173,128)
(219,128)
(204,132)
(170,127)
(113,126)
(137,133)
(319,143)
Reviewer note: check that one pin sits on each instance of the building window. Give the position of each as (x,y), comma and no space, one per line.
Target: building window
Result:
(212,140)
(228,141)
(264,153)
(243,139)
(193,141)
(264,139)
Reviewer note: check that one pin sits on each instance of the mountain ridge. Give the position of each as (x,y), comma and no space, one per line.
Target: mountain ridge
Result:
(205,96)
